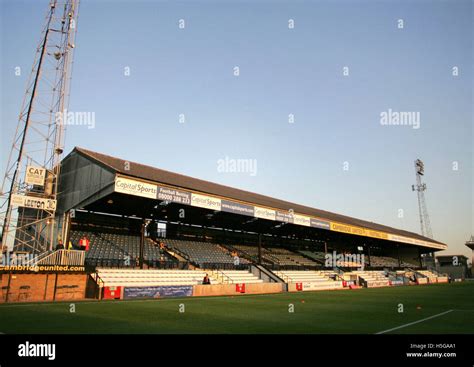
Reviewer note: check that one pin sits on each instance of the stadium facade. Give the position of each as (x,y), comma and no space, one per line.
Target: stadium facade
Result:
(155,233)
(100,183)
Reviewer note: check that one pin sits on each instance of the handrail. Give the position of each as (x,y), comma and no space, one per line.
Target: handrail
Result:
(223,275)
(38,258)
(61,257)
(99,280)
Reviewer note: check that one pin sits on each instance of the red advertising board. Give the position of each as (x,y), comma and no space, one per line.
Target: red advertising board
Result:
(240,288)
(112,292)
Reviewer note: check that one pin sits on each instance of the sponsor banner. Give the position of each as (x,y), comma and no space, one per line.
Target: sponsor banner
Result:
(320,223)
(33,202)
(302,220)
(204,201)
(359,231)
(236,208)
(284,217)
(158,291)
(240,287)
(176,196)
(314,286)
(264,213)
(112,292)
(134,187)
(414,241)
(35,175)
(42,268)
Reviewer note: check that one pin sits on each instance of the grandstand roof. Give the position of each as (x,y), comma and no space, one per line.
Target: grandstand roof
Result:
(145,172)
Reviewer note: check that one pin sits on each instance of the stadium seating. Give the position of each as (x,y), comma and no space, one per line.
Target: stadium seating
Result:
(235,276)
(116,249)
(252,252)
(275,256)
(317,256)
(385,261)
(144,278)
(433,277)
(287,257)
(320,257)
(318,279)
(372,278)
(203,253)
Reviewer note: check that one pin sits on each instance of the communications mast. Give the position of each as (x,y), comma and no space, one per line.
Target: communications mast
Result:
(420,188)
(30,185)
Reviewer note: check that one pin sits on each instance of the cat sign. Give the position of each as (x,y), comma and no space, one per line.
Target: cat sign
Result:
(35,175)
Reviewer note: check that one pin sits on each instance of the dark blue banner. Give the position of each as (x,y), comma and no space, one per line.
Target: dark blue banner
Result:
(158,291)
(236,208)
(319,223)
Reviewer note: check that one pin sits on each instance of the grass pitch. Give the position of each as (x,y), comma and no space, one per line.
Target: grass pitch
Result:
(366,311)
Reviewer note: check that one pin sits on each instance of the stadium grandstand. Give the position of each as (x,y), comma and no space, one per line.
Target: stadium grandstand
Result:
(150,230)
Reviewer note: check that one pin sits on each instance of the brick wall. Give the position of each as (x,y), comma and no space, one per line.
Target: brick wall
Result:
(42,287)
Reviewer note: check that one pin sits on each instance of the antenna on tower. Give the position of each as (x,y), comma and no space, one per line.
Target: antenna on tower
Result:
(30,184)
(420,188)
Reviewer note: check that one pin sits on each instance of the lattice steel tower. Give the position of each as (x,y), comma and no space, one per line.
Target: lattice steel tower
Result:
(30,184)
(420,189)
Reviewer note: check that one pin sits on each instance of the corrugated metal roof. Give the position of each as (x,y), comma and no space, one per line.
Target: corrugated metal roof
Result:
(175,179)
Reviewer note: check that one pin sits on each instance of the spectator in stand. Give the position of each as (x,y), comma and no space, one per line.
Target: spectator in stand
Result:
(60,245)
(153,230)
(70,245)
(84,243)
(137,262)
(206,280)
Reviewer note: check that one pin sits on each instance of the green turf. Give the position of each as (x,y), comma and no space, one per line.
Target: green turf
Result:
(350,311)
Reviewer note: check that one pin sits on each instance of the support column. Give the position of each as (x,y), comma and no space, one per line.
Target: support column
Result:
(398,255)
(142,244)
(260,249)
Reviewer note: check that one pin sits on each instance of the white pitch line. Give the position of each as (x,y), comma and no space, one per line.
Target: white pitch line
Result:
(414,322)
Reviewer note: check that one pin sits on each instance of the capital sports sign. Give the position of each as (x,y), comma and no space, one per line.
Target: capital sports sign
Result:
(136,188)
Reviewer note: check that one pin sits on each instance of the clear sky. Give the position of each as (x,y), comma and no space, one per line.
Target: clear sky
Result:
(283,71)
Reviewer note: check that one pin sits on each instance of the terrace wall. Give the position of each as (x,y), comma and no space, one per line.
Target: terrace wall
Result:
(42,287)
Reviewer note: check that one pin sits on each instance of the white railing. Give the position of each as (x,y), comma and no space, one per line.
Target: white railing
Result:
(61,257)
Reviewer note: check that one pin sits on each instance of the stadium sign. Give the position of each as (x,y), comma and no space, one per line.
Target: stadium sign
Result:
(414,241)
(33,202)
(264,213)
(285,217)
(35,175)
(136,188)
(158,291)
(359,231)
(320,223)
(173,195)
(302,220)
(236,208)
(204,201)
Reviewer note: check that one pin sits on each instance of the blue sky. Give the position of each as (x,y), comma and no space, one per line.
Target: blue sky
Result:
(299,71)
